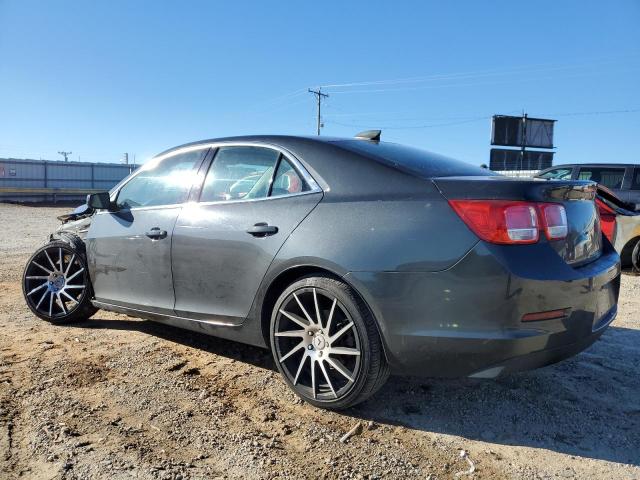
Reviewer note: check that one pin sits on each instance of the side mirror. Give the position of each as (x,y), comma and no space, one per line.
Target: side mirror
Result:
(99,201)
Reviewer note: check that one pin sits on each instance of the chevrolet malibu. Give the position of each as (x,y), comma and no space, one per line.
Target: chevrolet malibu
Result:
(349,259)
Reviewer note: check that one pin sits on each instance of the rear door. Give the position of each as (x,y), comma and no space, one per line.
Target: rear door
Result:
(130,248)
(252,199)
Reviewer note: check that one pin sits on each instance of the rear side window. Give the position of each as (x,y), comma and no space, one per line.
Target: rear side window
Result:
(414,160)
(166,183)
(557,174)
(287,181)
(239,173)
(244,173)
(607,176)
(635,184)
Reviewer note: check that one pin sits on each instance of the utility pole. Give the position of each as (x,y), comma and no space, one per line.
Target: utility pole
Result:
(524,139)
(65,155)
(319,95)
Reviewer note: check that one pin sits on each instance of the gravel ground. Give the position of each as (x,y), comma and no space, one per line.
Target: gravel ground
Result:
(119,397)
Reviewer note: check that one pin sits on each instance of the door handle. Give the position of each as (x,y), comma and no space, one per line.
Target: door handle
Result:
(156,234)
(262,229)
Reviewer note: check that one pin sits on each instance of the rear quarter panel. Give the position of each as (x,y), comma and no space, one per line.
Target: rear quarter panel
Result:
(417,233)
(375,237)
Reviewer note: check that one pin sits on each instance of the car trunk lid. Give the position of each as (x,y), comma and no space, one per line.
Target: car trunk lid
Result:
(583,242)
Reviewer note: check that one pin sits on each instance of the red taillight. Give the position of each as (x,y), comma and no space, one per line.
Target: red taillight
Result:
(499,221)
(607,219)
(512,222)
(554,219)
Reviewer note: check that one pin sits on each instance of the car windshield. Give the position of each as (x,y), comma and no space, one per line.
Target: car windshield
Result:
(557,174)
(413,160)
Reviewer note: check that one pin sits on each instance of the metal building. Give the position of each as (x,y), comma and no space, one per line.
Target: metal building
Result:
(24,180)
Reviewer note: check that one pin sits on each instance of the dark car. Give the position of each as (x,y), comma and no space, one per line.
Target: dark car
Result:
(621,178)
(349,258)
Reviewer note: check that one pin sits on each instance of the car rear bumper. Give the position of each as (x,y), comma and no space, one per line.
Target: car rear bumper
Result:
(467,320)
(527,355)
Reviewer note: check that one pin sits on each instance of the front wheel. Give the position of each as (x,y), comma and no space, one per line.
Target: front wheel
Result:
(56,284)
(326,344)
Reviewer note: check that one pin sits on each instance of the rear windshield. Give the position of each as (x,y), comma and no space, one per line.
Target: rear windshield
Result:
(420,162)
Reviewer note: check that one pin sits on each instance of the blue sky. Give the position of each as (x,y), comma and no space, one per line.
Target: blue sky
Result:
(102,78)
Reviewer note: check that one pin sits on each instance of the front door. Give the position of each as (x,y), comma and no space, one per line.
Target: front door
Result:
(129,249)
(224,244)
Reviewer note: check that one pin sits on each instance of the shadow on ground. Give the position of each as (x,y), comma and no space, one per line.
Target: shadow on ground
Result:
(258,357)
(587,406)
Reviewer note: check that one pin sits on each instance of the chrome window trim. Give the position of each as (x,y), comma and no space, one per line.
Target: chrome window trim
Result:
(142,209)
(248,200)
(297,165)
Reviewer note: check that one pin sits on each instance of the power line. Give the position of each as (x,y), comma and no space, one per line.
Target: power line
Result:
(481,83)
(284,96)
(602,112)
(319,95)
(285,101)
(282,106)
(483,73)
(479,118)
(410,127)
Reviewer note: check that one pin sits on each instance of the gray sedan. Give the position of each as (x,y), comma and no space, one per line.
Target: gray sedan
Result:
(349,258)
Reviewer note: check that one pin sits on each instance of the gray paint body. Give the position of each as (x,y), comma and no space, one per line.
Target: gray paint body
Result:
(446,304)
(217,266)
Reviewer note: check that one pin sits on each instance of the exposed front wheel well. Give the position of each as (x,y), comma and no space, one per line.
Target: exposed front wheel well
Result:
(71,238)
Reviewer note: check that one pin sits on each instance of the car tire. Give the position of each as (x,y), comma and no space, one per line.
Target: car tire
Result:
(56,284)
(635,257)
(325,343)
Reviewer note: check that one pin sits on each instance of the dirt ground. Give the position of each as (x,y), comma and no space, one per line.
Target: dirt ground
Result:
(116,397)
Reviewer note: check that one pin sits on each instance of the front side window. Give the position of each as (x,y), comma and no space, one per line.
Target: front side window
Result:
(166,183)
(609,177)
(245,173)
(635,184)
(558,174)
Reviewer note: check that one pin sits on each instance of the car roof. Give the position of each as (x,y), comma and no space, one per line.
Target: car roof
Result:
(281,140)
(352,166)
(593,165)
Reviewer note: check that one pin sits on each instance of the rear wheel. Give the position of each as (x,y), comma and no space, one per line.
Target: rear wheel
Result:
(635,257)
(325,343)
(56,284)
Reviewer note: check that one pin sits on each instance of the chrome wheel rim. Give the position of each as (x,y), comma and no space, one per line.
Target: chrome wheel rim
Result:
(317,344)
(55,282)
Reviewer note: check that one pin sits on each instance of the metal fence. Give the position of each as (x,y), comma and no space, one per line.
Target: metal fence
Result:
(517,173)
(45,180)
